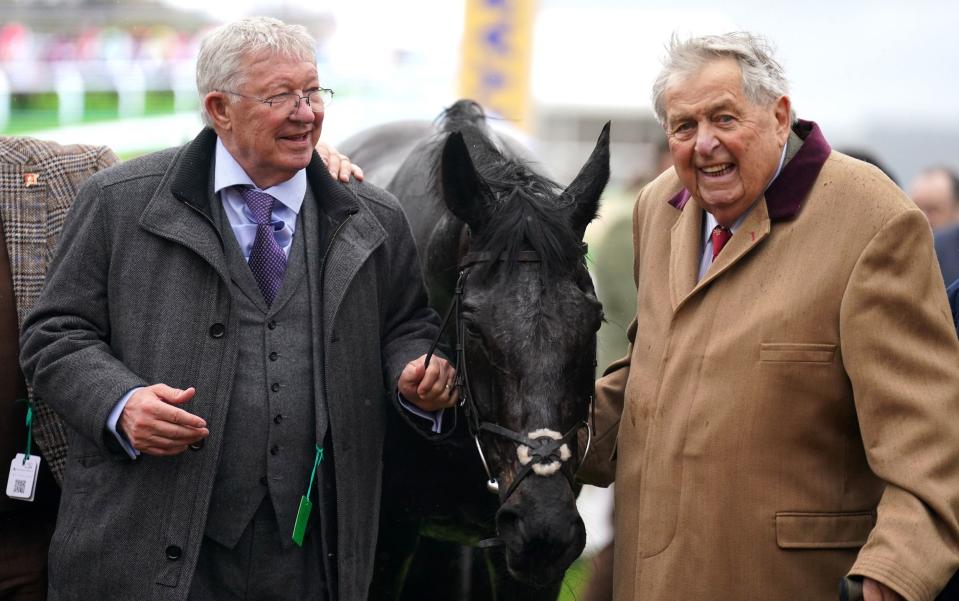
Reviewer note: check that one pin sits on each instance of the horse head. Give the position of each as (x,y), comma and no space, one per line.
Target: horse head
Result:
(527,317)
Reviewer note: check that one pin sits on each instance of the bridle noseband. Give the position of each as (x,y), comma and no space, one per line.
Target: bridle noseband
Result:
(540,452)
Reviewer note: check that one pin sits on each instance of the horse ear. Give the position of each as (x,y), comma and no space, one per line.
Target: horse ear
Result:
(585,190)
(464,191)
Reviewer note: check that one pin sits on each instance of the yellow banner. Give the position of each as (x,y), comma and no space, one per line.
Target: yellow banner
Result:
(497,51)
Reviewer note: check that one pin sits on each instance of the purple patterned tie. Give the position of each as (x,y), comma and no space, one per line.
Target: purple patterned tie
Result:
(267,260)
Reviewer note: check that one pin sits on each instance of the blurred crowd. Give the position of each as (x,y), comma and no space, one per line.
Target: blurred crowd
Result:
(21,43)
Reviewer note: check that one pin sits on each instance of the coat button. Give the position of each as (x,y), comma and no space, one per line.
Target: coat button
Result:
(272,324)
(196,446)
(217,330)
(174,552)
(275,387)
(274,450)
(274,356)
(277,419)
(263,480)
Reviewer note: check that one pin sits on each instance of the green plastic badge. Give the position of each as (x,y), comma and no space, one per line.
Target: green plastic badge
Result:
(302,519)
(306,505)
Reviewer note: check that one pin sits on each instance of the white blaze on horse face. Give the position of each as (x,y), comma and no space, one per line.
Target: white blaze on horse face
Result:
(541,469)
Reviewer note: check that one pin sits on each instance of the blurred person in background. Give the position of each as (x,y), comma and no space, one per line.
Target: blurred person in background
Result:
(936,192)
(222,330)
(38,181)
(871,158)
(785,421)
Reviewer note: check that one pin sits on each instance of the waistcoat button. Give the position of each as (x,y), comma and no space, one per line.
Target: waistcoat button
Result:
(274,450)
(217,330)
(275,387)
(274,356)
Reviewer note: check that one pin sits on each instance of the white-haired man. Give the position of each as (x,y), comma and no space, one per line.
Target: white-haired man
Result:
(787,419)
(222,330)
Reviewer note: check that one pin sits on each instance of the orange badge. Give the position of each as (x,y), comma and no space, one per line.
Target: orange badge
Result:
(30,179)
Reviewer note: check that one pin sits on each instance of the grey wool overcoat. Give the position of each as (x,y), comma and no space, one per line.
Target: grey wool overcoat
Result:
(139,293)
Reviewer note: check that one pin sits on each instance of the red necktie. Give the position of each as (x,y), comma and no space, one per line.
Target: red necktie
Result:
(720,237)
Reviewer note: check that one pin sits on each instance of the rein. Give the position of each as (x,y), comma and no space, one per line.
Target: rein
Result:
(541,452)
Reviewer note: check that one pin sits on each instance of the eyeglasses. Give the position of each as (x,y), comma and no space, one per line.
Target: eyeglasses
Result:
(316,99)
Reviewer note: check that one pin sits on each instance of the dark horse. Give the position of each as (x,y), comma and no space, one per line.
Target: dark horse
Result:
(501,245)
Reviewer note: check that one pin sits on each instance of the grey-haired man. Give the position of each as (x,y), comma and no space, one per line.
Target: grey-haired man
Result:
(223,330)
(788,408)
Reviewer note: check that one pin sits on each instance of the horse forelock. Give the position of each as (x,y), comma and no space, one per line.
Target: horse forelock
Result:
(528,211)
(526,215)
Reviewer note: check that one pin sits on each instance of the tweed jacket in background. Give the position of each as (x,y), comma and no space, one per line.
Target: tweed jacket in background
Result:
(793,416)
(33,215)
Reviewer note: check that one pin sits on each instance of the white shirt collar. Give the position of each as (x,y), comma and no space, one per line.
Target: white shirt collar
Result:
(227,172)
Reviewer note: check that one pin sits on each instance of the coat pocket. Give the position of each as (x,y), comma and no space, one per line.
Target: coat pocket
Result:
(807,530)
(789,352)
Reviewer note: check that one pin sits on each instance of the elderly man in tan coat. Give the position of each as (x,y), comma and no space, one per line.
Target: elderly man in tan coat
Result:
(787,419)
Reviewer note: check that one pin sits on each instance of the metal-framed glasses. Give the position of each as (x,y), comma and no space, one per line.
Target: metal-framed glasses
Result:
(316,99)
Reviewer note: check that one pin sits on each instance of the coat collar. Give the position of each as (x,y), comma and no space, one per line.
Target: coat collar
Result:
(784,197)
(187,217)
(192,171)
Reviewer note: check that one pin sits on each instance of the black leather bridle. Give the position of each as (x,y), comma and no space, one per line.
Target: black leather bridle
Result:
(542,450)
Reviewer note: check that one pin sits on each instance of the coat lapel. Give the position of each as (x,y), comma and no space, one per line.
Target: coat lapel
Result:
(350,246)
(181,209)
(752,231)
(685,250)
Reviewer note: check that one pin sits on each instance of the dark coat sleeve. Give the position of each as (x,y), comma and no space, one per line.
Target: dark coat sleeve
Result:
(409,324)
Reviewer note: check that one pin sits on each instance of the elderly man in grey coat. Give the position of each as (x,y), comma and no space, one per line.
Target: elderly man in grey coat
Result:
(223,330)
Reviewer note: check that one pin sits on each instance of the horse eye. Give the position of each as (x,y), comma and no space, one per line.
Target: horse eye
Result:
(472,330)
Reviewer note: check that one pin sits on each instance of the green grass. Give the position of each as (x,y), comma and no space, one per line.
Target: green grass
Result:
(30,112)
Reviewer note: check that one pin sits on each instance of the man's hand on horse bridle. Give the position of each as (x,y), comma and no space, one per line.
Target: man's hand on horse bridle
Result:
(429,388)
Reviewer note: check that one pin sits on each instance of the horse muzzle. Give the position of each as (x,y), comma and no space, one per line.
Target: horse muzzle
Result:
(541,530)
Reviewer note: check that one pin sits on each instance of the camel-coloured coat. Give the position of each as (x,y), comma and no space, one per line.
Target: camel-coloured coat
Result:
(793,417)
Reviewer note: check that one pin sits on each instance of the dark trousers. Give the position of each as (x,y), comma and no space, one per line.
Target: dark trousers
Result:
(259,567)
(24,540)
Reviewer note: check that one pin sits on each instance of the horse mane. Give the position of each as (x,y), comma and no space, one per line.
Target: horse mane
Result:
(528,212)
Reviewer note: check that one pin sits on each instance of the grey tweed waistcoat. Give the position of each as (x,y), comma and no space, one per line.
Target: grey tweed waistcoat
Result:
(275,416)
